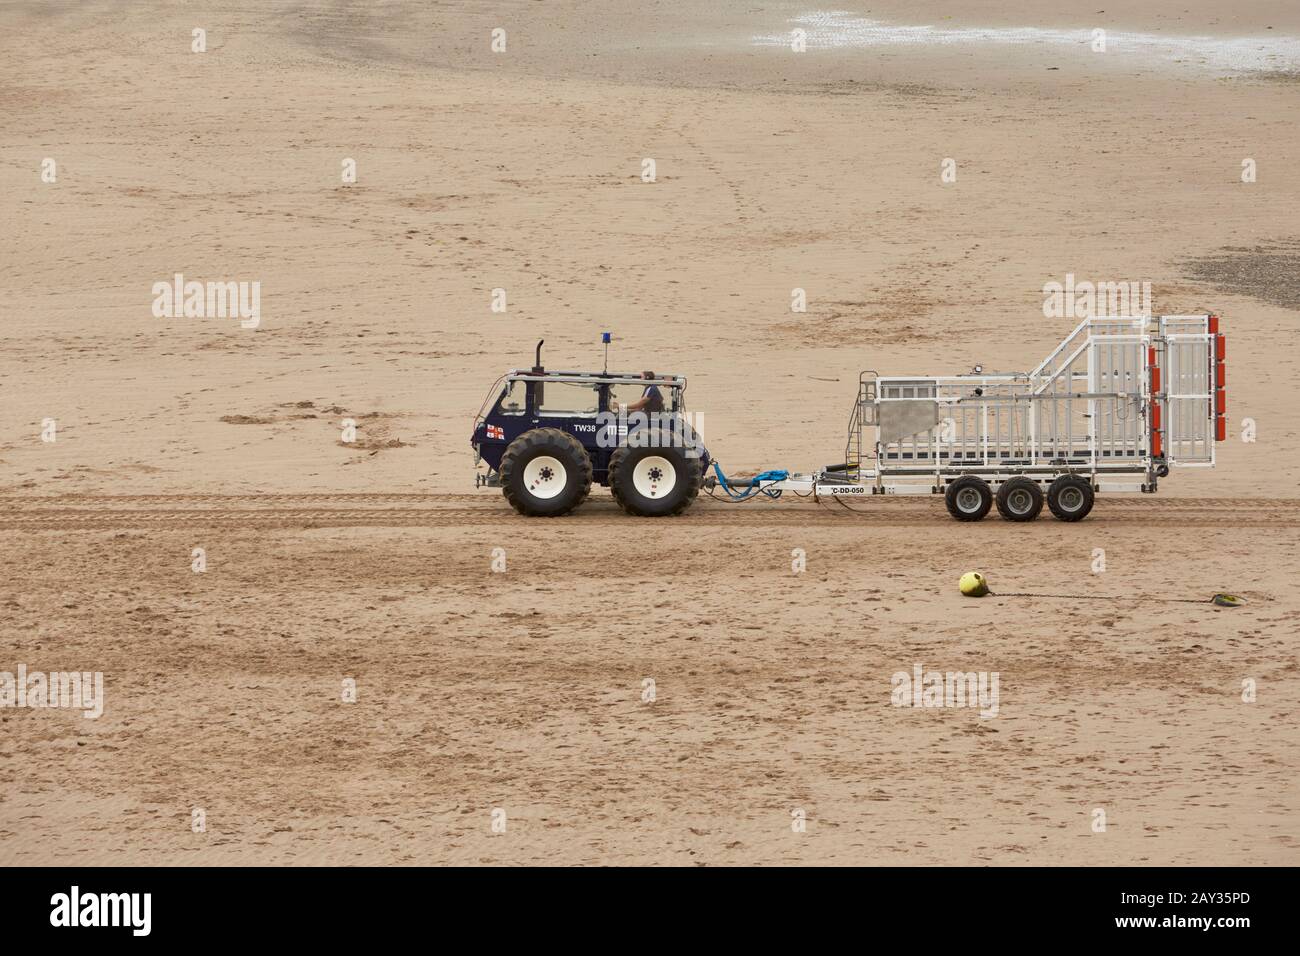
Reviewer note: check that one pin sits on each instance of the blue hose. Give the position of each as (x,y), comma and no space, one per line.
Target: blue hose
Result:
(742,494)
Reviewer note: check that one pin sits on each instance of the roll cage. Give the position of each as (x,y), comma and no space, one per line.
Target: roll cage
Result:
(674,386)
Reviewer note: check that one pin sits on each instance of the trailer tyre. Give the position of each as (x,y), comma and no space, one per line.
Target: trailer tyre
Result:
(968,498)
(545,473)
(652,482)
(1020,499)
(1070,497)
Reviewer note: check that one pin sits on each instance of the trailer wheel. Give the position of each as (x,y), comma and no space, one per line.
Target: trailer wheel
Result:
(968,498)
(1070,497)
(1020,499)
(545,472)
(652,482)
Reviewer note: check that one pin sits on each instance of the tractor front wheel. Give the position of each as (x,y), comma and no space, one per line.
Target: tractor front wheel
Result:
(545,472)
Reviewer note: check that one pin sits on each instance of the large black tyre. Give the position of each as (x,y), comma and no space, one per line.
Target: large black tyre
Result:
(545,472)
(1070,497)
(1020,499)
(650,481)
(969,498)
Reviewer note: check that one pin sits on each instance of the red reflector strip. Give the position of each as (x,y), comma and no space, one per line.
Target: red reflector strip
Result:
(1157,449)
(1220,381)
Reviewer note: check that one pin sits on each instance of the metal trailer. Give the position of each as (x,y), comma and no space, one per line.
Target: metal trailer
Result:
(1111,409)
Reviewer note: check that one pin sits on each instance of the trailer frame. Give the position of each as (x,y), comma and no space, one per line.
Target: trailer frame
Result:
(1118,403)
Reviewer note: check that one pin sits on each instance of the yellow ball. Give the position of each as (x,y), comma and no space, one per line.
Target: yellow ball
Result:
(972,584)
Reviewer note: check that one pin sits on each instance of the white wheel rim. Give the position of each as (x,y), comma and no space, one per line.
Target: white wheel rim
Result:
(545,477)
(1070,499)
(969,500)
(654,477)
(1020,501)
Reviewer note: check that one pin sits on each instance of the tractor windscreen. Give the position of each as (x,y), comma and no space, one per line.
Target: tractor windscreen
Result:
(514,400)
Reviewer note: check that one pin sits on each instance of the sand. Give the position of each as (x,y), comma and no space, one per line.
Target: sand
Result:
(523,691)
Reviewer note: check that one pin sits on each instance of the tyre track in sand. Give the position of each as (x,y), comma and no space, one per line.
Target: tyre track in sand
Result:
(322,510)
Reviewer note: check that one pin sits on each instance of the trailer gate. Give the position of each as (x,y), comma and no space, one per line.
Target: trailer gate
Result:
(1189,350)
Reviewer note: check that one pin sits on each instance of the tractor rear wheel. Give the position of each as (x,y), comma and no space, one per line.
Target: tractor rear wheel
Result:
(969,498)
(650,481)
(1070,497)
(545,472)
(1020,499)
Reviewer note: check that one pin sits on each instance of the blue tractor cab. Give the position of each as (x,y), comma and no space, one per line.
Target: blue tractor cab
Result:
(546,436)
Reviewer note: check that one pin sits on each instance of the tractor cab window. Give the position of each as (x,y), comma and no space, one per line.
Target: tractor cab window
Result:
(513,399)
(624,395)
(627,394)
(566,399)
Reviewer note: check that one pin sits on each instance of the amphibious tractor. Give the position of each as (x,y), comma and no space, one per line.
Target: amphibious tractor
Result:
(548,435)
(1116,405)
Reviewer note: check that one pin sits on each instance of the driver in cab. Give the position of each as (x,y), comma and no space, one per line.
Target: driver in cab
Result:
(650,402)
